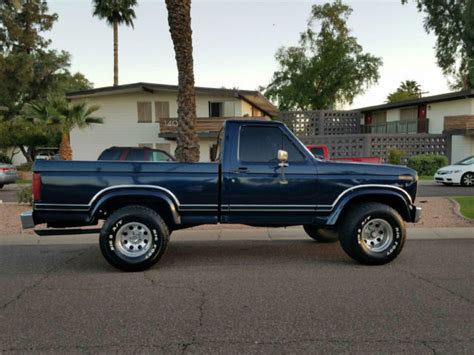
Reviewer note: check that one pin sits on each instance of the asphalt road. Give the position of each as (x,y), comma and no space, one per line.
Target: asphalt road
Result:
(425,189)
(237,296)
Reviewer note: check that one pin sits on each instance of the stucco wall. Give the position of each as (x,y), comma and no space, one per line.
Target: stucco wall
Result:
(437,111)
(120,127)
(462,147)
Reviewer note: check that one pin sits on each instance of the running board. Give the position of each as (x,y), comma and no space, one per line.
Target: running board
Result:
(66,231)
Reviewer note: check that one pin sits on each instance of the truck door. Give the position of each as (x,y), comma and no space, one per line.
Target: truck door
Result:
(254,188)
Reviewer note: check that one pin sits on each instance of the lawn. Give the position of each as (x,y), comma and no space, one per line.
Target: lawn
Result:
(22,181)
(467,205)
(425,177)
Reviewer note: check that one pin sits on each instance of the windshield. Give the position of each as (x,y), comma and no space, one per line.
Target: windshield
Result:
(467,161)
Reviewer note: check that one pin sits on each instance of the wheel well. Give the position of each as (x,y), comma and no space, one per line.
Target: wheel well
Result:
(160,206)
(397,203)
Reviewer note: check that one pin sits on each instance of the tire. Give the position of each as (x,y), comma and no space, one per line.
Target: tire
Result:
(1,186)
(320,234)
(372,233)
(133,238)
(467,179)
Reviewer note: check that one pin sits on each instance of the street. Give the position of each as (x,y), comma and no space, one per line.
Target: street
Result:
(238,291)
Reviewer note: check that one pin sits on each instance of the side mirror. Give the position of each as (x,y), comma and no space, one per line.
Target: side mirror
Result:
(282,156)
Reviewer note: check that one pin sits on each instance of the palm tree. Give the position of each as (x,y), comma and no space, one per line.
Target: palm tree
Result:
(63,116)
(411,87)
(115,13)
(179,20)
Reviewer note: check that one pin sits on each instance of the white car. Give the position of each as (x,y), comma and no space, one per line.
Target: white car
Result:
(460,173)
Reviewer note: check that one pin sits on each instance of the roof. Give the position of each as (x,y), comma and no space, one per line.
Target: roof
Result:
(253,97)
(459,95)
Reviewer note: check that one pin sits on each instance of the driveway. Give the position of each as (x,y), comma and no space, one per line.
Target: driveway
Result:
(238,291)
(8,193)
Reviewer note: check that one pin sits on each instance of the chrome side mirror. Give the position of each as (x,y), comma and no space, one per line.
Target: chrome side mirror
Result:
(283,158)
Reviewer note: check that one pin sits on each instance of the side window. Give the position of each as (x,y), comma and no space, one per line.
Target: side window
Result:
(156,155)
(261,144)
(136,155)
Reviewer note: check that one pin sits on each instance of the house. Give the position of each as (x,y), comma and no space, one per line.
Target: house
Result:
(145,114)
(451,114)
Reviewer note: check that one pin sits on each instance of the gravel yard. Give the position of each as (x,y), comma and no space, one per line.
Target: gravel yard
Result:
(437,212)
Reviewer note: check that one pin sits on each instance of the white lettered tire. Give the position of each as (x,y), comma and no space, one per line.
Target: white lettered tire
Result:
(134,238)
(372,233)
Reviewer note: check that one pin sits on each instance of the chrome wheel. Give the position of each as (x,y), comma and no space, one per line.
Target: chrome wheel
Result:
(468,180)
(377,235)
(133,240)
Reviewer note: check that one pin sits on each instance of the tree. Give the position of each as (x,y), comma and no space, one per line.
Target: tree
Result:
(327,67)
(115,13)
(179,19)
(30,71)
(409,89)
(452,21)
(58,114)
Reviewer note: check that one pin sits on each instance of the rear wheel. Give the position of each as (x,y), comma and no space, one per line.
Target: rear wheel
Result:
(372,233)
(467,179)
(1,186)
(320,234)
(134,238)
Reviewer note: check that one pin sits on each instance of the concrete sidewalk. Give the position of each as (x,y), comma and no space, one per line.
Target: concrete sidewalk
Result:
(214,233)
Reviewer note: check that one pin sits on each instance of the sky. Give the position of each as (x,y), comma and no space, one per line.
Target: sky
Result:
(235,42)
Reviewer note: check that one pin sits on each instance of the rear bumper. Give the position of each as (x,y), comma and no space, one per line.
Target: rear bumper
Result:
(7,179)
(27,221)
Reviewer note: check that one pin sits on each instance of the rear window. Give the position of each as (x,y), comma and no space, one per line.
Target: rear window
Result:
(110,154)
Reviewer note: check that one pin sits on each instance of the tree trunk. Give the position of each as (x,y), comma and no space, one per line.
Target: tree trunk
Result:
(179,20)
(25,153)
(65,150)
(116,69)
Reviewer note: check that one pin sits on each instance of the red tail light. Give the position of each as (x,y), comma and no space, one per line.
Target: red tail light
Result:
(36,187)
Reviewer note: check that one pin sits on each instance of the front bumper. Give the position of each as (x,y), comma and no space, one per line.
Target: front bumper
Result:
(453,178)
(416,214)
(27,221)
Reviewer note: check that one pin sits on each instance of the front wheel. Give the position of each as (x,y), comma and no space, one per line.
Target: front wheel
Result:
(372,233)
(133,238)
(467,179)
(320,234)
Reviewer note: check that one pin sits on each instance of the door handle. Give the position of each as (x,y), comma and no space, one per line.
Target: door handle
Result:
(241,169)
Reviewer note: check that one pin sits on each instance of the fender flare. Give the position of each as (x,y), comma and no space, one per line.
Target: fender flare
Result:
(366,192)
(106,195)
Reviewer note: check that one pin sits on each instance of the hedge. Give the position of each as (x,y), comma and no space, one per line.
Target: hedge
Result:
(427,164)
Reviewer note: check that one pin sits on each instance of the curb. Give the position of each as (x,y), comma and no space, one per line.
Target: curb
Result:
(457,210)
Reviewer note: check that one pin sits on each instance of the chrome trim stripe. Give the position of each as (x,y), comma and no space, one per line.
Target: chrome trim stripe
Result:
(173,196)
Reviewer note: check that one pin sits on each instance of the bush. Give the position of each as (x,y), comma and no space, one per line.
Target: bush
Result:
(25,166)
(25,195)
(427,164)
(5,159)
(395,156)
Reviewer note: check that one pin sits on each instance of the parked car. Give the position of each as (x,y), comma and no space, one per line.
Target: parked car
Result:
(46,153)
(264,176)
(8,174)
(322,152)
(460,173)
(135,154)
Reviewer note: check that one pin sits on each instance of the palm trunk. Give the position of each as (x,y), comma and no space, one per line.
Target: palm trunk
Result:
(116,70)
(179,20)
(65,150)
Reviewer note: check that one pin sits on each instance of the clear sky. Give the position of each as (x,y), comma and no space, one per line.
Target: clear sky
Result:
(235,42)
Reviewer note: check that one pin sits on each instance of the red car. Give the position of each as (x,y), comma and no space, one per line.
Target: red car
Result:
(322,152)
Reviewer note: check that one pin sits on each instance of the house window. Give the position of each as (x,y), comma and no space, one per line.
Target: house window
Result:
(409,114)
(144,112)
(216,109)
(162,110)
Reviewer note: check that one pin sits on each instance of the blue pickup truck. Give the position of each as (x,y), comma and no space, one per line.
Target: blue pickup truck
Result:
(262,176)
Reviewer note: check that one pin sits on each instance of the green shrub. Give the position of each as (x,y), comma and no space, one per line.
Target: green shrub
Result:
(395,156)
(427,164)
(5,159)
(25,166)
(25,195)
